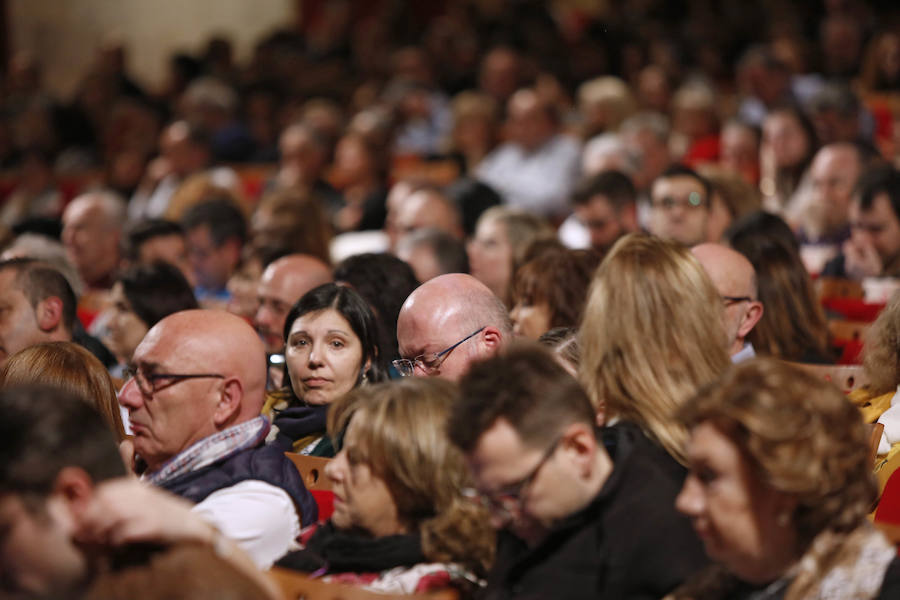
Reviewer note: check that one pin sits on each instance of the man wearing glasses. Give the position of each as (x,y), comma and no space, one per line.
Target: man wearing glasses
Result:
(194,395)
(580,512)
(679,206)
(448,323)
(735,279)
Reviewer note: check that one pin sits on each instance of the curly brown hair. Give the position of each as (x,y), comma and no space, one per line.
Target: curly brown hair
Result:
(801,436)
(881,351)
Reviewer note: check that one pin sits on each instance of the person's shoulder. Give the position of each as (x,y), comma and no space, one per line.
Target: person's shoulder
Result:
(890,585)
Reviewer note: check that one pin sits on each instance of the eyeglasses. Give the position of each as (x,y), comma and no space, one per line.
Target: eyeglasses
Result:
(508,502)
(149,384)
(729,300)
(428,362)
(693,200)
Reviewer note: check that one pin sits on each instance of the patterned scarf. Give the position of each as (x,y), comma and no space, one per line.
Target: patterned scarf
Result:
(212,449)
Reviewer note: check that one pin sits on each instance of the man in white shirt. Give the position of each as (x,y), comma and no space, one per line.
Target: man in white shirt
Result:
(537,167)
(194,404)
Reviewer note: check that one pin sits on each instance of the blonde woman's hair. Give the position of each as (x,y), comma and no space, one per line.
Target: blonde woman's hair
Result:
(68,366)
(402,435)
(652,334)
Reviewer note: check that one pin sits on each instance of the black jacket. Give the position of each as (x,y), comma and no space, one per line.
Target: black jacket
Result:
(628,543)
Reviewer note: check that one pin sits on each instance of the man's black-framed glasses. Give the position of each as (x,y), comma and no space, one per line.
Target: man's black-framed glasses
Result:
(508,501)
(428,362)
(150,383)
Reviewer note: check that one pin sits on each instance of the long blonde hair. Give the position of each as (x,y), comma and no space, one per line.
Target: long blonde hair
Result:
(653,332)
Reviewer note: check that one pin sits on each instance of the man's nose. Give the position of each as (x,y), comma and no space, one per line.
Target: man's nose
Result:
(130,396)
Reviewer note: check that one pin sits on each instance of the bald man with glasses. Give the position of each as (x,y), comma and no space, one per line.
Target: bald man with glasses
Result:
(447,324)
(194,396)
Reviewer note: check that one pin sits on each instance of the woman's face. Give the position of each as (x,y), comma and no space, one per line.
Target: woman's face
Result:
(361,498)
(530,319)
(490,256)
(126,329)
(743,523)
(324,356)
(786,139)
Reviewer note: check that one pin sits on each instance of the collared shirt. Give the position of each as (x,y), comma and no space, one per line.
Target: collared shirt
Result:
(745,353)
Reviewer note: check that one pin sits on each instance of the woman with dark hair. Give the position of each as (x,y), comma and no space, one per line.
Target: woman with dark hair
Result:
(550,291)
(331,347)
(141,296)
(788,146)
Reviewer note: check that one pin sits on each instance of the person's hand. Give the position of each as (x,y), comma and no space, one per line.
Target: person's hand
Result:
(126,451)
(861,260)
(125,511)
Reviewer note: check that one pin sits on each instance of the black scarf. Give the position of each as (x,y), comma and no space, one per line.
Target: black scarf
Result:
(297,422)
(351,552)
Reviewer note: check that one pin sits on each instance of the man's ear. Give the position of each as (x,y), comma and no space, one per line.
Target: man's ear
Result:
(75,488)
(49,313)
(492,338)
(232,247)
(751,318)
(579,441)
(228,407)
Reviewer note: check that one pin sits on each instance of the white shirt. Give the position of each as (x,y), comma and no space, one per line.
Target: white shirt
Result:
(539,181)
(261,518)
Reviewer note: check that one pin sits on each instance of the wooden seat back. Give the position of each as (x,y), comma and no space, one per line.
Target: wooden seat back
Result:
(312,470)
(833,287)
(295,586)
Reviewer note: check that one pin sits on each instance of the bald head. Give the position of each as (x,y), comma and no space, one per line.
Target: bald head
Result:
(92,228)
(445,310)
(735,279)
(284,282)
(201,372)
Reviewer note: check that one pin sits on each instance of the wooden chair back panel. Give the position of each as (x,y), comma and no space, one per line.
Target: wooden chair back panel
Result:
(833,287)
(847,330)
(296,586)
(876,429)
(312,470)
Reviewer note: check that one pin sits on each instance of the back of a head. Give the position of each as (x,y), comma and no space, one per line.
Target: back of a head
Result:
(881,349)
(156,291)
(69,367)
(385,282)
(44,430)
(760,228)
(613,185)
(801,435)
(449,253)
(522,228)
(141,232)
(652,333)
(524,386)
(793,324)
(401,430)
(221,215)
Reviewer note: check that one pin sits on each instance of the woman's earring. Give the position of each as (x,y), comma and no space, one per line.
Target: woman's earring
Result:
(783,519)
(365,378)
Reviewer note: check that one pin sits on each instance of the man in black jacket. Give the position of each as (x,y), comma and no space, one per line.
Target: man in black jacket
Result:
(581,512)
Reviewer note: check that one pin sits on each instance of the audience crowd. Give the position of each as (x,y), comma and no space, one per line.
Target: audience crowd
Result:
(539,284)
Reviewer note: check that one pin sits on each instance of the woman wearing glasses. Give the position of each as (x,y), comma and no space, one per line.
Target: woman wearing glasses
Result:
(400,522)
(330,348)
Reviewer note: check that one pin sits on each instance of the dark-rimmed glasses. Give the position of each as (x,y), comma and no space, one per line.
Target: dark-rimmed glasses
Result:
(430,361)
(508,502)
(149,384)
(692,200)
